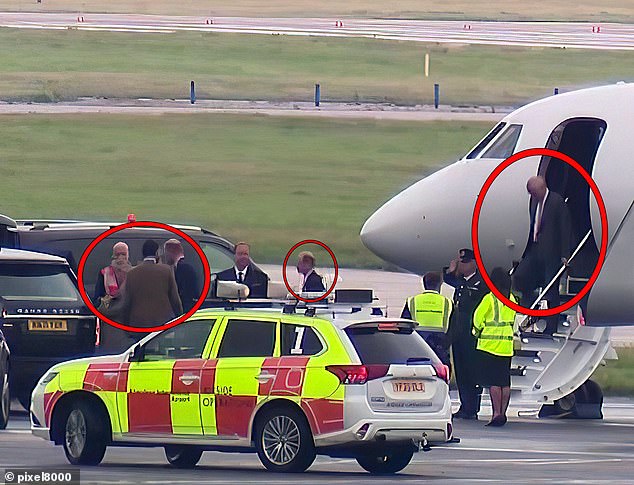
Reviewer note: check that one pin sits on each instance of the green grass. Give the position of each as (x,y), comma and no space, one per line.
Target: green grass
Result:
(587,10)
(64,65)
(617,377)
(270,180)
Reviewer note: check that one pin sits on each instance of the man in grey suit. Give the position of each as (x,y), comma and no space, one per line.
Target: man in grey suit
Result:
(548,246)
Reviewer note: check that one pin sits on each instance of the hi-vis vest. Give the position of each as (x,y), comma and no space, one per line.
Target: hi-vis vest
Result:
(493,325)
(431,310)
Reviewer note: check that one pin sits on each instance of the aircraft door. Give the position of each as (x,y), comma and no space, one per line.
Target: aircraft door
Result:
(579,138)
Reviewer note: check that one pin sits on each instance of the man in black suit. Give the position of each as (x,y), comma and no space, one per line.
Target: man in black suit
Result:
(548,246)
(306,267)
(189,289)
(464,276)
(246,273)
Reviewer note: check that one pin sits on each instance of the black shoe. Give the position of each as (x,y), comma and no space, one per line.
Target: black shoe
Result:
(497,422)
(462,415)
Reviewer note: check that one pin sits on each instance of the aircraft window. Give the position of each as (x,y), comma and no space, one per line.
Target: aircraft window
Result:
(485,141)
(505,144)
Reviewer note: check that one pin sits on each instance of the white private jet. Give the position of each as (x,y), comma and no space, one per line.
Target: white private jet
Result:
(422,228)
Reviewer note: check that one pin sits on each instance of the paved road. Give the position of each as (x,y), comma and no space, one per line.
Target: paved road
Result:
(393,288)
(527,450)
(376,111)
(552,34)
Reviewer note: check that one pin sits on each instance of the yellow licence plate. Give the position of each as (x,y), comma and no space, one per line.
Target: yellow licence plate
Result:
(408,386)
(48,325)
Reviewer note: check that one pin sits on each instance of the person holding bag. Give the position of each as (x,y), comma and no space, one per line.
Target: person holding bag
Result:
(109,297)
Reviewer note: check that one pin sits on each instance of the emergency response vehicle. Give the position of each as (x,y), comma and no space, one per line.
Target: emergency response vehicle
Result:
(288,383)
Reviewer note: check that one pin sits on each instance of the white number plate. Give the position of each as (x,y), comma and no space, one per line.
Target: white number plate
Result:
(406,386)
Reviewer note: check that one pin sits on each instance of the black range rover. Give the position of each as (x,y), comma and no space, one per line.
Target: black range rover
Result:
(42,316)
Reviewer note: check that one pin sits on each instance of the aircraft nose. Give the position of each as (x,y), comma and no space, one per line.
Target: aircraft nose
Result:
(408,230)
(382,232)
(422,228)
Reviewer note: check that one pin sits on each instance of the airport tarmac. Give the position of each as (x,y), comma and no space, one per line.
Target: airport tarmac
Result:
(540,34)
(528,450)
(393,288)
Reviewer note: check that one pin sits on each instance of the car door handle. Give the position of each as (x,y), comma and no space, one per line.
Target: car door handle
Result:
(264,377)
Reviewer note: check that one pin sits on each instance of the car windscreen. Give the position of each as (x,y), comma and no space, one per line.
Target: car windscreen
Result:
(376,346)
(38,282)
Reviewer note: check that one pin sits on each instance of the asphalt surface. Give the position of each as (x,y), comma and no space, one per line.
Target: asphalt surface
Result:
(393,289)
(527,450)
(551,34)
(377,111)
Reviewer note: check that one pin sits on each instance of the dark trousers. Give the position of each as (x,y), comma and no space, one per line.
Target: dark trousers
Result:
(466,366)
(537,270)
(438,343)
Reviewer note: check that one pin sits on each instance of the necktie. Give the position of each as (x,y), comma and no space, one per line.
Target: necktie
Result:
(538,220)
(240,277)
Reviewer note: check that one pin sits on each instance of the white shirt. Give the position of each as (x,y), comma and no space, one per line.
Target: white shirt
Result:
(244,273)
(539,212)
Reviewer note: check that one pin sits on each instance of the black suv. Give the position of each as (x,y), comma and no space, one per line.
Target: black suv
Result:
(5,396)
(69,239)
(42,316)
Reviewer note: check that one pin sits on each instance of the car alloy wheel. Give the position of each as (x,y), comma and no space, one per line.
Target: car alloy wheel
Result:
(76,433)
(281,440)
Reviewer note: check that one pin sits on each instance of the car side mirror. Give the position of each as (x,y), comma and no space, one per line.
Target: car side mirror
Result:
(138,353)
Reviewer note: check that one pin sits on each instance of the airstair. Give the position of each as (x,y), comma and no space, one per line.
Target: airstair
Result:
(555,370)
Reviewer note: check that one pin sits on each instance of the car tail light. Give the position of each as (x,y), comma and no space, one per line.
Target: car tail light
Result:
(357,374)
(442,371)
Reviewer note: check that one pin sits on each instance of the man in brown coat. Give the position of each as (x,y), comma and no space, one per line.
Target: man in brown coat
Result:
(151,294)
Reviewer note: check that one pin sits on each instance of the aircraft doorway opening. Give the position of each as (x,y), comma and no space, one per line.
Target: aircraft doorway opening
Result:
(580,139)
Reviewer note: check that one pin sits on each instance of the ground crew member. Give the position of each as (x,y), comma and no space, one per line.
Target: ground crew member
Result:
(463,275)
(493,325)
(432,311)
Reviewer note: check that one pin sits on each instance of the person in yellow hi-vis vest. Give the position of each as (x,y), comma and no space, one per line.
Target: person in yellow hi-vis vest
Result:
(432,311)
(493,325)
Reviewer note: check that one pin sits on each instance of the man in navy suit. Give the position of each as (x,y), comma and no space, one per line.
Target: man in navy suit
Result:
(246,273)
(306,267)
(548,246)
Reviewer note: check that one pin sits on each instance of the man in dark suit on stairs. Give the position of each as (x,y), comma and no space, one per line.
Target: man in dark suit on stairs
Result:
(548,246)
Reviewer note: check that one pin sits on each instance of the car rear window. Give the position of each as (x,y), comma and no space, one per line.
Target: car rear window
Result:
(376,346)
(41,282)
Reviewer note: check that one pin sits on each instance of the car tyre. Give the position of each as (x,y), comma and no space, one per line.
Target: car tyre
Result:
(5,401)
(183,456)
(283,440)
(85,437)
(387,462)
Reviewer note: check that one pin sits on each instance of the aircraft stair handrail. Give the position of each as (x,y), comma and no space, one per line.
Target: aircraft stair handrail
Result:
(556,277)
